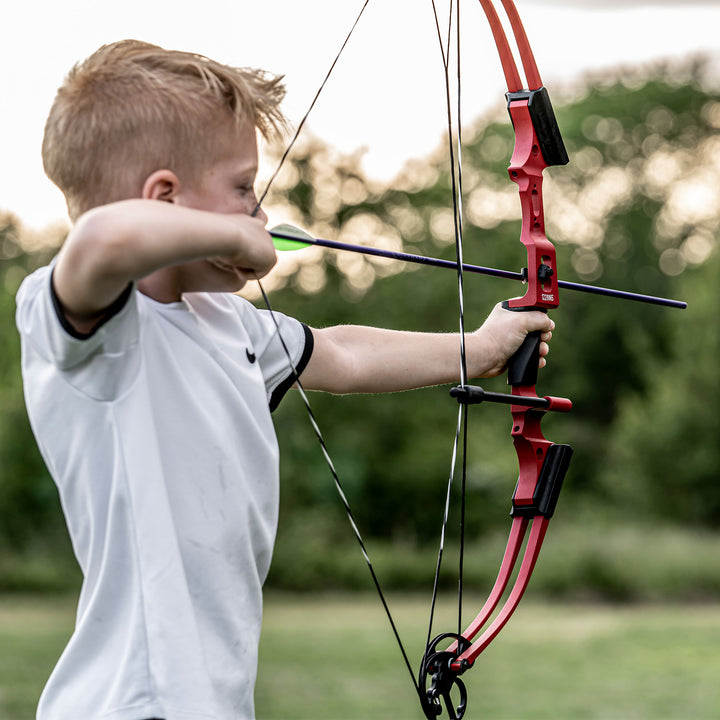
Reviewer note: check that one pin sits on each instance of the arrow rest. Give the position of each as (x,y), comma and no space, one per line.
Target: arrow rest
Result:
(437,669)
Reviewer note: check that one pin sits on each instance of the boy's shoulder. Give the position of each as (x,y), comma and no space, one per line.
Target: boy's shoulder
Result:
(33,283)
(36,298)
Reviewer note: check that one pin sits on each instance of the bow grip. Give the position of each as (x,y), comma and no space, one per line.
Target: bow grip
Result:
(523,365)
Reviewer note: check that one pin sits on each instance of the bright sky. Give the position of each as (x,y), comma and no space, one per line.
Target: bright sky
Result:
(385,94)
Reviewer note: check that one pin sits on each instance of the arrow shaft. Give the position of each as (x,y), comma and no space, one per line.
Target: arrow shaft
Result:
(477,269)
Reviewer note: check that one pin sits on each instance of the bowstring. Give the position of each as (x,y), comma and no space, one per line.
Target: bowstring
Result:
(461,428)
(306,402)
(455,152)
(461,303)
(302,122)
(339,486)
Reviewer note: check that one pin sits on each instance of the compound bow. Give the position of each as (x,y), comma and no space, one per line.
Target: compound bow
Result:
(542,463)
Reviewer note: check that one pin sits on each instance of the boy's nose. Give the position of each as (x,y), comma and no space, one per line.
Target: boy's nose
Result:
(259,213)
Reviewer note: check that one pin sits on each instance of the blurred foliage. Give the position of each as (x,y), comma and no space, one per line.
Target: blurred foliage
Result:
(637,208)
(669,437)
(30,515)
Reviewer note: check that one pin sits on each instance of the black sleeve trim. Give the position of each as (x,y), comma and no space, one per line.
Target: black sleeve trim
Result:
(290,380)
(110,312)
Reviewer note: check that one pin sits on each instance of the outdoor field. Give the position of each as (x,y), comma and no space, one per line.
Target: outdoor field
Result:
(135,392)
(333,658)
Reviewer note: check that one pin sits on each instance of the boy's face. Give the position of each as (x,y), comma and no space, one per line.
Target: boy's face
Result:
(224,186)
(228,184)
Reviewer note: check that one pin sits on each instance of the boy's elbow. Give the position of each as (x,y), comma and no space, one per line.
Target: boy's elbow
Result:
(92,266)
(331,367)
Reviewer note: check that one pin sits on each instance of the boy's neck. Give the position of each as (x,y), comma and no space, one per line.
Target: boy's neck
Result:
(163,286)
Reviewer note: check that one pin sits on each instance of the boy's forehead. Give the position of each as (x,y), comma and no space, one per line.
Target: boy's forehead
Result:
(238,142)
(238,134)
(232,150)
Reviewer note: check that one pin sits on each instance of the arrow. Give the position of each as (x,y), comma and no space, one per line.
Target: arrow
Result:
(289,238)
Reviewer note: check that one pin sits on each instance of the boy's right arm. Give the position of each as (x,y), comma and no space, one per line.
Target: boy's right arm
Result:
(116,244)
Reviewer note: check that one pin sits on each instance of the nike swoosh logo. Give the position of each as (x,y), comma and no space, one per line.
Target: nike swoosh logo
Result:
(250,355)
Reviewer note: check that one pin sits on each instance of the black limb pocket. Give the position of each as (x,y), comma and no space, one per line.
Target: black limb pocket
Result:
(547,490)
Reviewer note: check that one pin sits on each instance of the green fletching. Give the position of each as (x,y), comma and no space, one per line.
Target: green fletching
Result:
(285,244)
(293,238)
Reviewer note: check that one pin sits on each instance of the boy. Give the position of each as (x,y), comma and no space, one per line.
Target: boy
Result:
(149,384)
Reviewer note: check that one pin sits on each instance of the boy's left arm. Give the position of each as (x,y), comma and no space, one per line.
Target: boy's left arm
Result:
(359,359)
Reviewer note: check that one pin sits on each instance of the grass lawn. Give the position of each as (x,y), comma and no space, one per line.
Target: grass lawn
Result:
(333,658)
(33,632)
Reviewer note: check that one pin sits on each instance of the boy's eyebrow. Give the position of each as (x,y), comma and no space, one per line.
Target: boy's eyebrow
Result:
(251,169)
(246,177)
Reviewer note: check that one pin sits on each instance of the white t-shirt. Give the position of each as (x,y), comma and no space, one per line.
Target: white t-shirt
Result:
(157,431)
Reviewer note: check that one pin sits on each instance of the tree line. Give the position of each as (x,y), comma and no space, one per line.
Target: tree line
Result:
(635,209)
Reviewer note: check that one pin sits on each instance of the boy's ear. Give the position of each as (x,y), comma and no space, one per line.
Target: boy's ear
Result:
(161,185)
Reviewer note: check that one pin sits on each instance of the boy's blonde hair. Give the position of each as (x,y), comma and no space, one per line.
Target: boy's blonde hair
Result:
(132,108)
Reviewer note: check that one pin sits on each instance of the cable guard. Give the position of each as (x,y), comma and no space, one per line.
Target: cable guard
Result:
(474,395)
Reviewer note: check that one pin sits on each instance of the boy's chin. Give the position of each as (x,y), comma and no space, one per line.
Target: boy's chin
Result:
(224,277)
